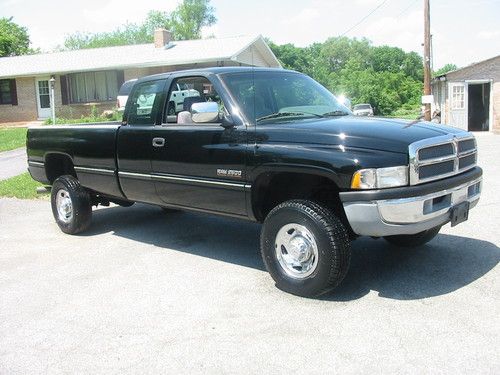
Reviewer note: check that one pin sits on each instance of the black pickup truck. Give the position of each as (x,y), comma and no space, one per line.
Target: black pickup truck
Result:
(271,146)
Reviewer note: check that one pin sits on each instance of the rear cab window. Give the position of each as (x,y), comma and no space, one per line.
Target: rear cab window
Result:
(145,102)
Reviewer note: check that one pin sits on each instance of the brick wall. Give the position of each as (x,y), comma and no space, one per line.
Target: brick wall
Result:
(26,110)
(495,102)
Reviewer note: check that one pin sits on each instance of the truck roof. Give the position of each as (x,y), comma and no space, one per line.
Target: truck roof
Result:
(215,70)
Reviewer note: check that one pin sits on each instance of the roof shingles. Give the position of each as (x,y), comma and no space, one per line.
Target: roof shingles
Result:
(141,55)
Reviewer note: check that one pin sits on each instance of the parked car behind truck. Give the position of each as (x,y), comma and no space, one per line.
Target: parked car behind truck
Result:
(271,146)
(363,110)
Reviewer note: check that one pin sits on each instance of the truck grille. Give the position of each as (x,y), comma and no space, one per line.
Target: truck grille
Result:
(435,158)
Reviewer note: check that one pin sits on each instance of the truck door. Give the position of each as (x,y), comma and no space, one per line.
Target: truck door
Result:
(134,147)
(198,165)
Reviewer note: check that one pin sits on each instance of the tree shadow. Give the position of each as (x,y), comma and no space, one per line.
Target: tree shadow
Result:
(442,266)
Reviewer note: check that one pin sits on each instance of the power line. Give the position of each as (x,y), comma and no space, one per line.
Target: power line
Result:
(407,8)
(398,16)
(365,17)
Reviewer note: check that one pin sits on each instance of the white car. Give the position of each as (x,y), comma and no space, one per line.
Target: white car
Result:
(362,110)
(177,97)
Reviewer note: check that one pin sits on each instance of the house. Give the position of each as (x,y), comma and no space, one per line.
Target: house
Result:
(92,77)
(469,98)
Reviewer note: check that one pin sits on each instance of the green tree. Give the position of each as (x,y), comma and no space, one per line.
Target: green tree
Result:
(445,69)
(386,77)
(337,52)
(14,39)
(189,17)
(394,59)
(185,22)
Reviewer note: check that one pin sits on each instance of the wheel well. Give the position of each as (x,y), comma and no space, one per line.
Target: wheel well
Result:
(271,189)
(57,165)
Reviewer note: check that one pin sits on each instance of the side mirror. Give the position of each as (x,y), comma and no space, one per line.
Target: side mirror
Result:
(205,112)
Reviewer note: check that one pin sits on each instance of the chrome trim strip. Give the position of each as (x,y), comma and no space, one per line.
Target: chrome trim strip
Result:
(467,153)
(112,125)
(195,180)
(137,176)
(95,170)
(177,178)
(436,160)
(36,163)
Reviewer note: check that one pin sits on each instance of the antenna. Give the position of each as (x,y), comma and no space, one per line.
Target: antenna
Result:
(427,57)
(254,101)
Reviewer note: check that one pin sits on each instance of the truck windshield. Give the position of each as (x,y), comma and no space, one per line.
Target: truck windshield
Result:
(270,97)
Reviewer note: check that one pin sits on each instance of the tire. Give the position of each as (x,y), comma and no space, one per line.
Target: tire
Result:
(301,230)
(413,240)
(71,205)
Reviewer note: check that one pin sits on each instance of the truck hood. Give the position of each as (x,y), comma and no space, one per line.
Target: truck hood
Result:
(351,131)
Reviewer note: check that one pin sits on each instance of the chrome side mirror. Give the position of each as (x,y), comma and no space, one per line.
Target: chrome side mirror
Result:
(205,112)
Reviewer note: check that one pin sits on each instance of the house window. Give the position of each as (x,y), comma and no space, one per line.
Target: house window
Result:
(93,87)
(5,91)
(458,97)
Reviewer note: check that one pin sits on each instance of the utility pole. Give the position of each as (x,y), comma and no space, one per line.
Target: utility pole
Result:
(427,57)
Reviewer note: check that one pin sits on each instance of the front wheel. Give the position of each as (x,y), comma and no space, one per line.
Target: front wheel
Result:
(413,240)
(305,248)
(71,205)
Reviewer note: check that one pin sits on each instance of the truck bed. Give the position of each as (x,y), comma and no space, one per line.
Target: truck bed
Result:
(91,148)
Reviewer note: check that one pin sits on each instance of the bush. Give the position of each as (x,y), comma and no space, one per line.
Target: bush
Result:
(93,117)
(407,111)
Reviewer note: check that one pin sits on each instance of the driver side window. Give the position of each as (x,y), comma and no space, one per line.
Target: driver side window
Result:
(184,92)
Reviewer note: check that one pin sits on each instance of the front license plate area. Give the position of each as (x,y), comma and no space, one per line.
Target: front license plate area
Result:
(459,213)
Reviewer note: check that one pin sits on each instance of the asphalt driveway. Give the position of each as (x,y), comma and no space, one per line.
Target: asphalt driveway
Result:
(13,163)
(149,292)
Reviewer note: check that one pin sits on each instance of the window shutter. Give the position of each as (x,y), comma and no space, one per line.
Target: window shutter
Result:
(64,90)
(120,77)
(13,91)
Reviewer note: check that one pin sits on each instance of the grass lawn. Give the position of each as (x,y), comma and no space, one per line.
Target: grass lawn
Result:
(22,186)
(12,138)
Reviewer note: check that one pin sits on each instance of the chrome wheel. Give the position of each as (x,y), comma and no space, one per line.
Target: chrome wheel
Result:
(296,250)
(64,206)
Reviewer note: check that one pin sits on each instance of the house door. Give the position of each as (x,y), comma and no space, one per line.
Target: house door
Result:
(43,98)
(479,106)
(458,105)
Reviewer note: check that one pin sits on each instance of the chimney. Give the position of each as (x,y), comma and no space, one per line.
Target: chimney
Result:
(162,38)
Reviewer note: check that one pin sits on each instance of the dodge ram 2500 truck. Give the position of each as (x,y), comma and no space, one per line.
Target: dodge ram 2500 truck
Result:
(271,146)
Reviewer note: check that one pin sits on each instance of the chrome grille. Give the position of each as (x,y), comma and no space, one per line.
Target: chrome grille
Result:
(435,158)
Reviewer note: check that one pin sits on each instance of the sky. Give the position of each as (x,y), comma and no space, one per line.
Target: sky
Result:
(464,31)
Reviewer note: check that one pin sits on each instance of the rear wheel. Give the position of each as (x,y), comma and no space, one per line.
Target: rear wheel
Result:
(305,248)
(71,205)
(413,240)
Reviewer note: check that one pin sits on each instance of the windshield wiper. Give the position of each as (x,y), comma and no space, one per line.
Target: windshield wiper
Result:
(335,113)
(286,114)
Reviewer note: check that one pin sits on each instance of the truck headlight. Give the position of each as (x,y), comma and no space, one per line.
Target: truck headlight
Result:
(377,178)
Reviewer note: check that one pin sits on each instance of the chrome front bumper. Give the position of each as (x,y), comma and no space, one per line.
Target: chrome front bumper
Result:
(412,215)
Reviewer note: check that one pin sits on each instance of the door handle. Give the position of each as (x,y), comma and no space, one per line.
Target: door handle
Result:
(158,142)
